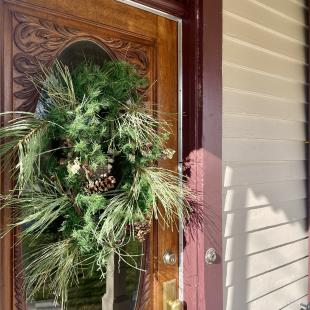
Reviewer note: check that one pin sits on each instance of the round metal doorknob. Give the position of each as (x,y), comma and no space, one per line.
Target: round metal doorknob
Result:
(211,256)
(169,258)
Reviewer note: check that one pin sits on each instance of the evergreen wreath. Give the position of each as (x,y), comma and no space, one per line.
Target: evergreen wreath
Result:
(87,175)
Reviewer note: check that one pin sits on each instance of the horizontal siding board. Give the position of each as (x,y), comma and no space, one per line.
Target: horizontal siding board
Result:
(237,29)
(251,57)
(264,155)
(263,262)
(243,197)
(253,127)
(242,103)
(274,301)
(263,240)
(243,221)
(246,80)
(281,297)
(303,3)
(285,7)
(262,150)
(295,305)
(243,173)
(266,18)
(266,283)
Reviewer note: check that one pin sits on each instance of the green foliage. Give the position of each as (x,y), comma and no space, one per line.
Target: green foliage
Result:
(53,266)
(91,205)
(38,207)
(87,117)
(24,138)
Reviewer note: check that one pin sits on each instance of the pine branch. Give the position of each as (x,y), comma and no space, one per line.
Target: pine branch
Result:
(37,207)
(23,139)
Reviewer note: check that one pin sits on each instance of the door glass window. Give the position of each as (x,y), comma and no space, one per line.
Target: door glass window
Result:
(119,289)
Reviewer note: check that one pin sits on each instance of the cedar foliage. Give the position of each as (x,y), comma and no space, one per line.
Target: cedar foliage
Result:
(83,119)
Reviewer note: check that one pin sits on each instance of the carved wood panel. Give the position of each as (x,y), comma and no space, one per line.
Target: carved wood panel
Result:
(36,31)
(38,42)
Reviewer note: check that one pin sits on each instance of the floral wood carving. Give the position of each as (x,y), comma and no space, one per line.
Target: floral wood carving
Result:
(39,41)
(18,273)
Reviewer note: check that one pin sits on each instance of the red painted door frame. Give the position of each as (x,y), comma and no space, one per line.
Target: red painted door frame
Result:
(203,284)
(202,140)
(308,152)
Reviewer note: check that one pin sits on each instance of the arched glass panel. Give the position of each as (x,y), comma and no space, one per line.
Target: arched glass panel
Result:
(79,51)
(119,289)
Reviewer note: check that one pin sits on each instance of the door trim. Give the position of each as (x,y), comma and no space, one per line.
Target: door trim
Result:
(173,7)
(203,151)
(156,10)
(202,141)
(308,159)
(159,12)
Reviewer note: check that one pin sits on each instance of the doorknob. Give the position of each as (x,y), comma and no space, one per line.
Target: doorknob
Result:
(211,256)
(170,301)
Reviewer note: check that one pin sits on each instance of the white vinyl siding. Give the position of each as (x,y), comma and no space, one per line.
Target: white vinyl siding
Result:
(264,154)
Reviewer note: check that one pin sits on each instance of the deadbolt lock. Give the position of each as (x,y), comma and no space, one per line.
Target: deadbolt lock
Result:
(169,258)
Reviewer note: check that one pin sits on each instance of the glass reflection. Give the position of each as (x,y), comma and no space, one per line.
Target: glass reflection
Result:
(119,289)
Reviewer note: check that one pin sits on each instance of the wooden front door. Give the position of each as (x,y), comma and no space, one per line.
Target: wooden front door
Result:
(37,31)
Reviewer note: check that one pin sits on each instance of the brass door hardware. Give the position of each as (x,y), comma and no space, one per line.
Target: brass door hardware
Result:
(169,258)
(175,305)
(170,301)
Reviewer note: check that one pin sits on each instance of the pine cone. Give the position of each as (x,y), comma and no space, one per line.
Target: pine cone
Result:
(102,184)
(141,230)
(63,161)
